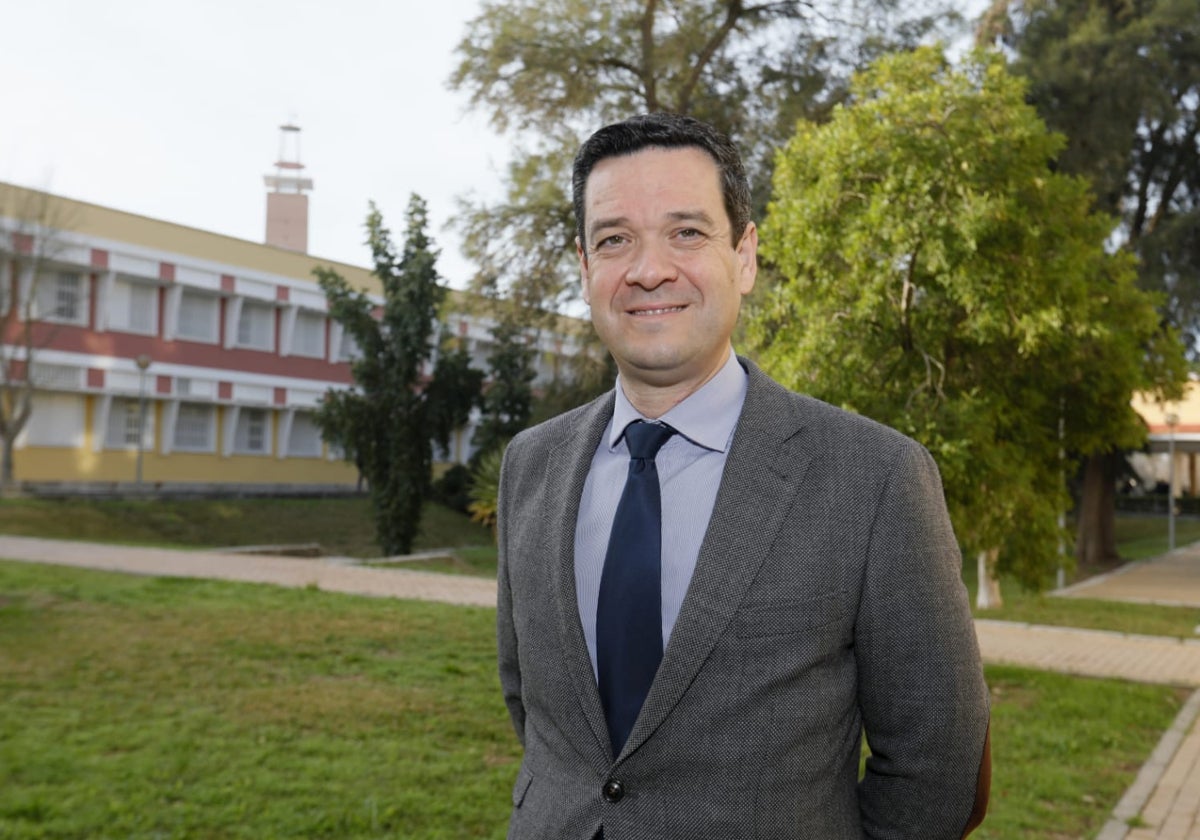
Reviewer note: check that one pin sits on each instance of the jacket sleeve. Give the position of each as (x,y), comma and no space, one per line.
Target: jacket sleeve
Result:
(921,689)
(506,636)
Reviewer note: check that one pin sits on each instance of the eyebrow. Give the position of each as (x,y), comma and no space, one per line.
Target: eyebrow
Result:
(674,216)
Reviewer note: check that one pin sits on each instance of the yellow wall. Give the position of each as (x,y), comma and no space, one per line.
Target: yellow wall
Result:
(45,463)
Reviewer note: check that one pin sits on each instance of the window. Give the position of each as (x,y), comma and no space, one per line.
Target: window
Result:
(252,435)
(308,337)
(198,316)
(52,377)
(195,428)
(124,419)
(61,297)
(305,438)
(57,420)
(256,326)
(133,307)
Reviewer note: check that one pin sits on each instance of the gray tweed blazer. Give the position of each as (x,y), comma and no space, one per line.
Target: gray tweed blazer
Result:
(827,600)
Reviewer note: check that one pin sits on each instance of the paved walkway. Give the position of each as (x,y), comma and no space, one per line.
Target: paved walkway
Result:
(1165,798)
(1170,580)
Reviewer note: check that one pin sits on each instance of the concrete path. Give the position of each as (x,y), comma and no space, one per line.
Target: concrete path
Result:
(1170,580)
(332,574)
(1165,798)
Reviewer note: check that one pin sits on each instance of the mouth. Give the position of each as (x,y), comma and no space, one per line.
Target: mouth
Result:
(657,310)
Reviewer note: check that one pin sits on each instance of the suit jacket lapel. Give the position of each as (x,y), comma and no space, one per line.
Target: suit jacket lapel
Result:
(763,472)
(566,473)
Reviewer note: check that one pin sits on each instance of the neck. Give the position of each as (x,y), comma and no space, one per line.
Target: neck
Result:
(653,400)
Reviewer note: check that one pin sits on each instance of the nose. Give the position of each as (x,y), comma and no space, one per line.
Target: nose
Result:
(651,265)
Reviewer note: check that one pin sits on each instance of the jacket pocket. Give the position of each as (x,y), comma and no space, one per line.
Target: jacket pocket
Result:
(786,617)
(524,780)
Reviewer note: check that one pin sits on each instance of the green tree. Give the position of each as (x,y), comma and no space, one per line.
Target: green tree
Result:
(507,401)
(387,422)
(1121,79)
(551,71)
(942,278)
(453,391)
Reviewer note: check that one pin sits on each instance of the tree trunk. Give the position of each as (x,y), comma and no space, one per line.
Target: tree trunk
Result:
(988,596)
(7,480)
(1095,539)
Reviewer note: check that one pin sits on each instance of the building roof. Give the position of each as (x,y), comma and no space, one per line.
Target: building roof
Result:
(81,217)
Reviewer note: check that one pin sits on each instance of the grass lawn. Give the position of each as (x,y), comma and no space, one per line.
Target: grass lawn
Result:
(149,708)
(1140,536)
(141,707)
(342,526)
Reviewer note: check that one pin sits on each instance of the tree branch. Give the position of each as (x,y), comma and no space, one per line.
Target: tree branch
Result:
(734,11)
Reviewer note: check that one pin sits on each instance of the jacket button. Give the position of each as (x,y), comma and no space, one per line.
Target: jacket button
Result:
(614,790)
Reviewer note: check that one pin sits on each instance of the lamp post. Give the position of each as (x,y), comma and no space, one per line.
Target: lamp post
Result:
(1172,421)
(142,362)
(1060,578)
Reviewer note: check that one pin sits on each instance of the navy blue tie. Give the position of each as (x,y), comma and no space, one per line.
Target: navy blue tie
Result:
(629,614)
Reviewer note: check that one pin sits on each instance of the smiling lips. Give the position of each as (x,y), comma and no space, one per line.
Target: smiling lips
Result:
(661,310)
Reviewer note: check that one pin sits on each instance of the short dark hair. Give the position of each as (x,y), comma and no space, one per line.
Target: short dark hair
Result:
(666,131)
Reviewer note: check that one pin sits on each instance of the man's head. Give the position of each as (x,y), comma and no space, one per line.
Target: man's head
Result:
(663,259)
(666,131)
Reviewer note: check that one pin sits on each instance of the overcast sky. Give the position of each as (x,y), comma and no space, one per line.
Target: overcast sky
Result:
(172,110)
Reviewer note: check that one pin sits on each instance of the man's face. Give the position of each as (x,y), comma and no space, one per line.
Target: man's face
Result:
(662,277)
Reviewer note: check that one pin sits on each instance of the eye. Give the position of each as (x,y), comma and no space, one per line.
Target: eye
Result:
(690,235)
(610,241)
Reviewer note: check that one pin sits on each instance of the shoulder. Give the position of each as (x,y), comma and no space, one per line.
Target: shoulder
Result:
(830,427)
(851,450)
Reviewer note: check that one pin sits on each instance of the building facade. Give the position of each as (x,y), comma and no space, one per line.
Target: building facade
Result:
(1172,442)
(175,358)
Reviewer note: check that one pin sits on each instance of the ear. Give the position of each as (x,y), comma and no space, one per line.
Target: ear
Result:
(747,256)
(583,271)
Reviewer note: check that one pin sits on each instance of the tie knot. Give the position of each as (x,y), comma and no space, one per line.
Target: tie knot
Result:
(645,439)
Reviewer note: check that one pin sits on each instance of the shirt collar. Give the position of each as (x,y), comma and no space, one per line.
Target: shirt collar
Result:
(707,418)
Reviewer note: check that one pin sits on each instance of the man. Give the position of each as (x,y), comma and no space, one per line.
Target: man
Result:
(693,637)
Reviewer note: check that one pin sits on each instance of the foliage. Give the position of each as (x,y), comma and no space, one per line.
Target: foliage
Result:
(386,423)
(452,488)
(552,71)
(144,707)
(453,391)
(941,278)
(508,398)
(1121,79)
(485,488)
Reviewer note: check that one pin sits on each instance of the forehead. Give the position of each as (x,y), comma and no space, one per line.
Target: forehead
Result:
(654,178)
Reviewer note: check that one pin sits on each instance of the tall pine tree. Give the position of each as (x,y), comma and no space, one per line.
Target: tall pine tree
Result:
(387,422)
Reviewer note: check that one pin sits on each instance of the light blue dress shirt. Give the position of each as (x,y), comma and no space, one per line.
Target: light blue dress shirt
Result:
(690,466)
